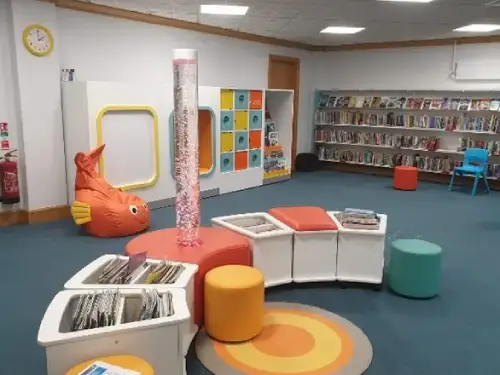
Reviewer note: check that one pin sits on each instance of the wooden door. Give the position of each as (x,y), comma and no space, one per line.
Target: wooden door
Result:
(284,73)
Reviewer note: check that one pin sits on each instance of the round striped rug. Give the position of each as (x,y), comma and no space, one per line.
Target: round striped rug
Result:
(296,340)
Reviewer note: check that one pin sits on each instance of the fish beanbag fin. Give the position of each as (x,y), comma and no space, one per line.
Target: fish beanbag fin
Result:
(81,213)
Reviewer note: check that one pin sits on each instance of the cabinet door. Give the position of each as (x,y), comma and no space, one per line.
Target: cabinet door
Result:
(226,142)
(255,120)
(241,99)
(226,121)
(255,158)
(226,99)
(241,140)
(241,120)
(226,162)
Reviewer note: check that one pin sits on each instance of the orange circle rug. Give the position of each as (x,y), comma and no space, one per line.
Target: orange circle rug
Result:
(295,340)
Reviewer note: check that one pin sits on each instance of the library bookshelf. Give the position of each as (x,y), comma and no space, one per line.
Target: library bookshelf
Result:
(374,131)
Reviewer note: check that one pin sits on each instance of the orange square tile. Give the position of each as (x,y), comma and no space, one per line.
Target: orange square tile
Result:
(255,139)
(304,219)
(255,99)
(241,160)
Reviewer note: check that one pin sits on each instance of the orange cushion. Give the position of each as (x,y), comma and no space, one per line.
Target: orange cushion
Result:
(304,219)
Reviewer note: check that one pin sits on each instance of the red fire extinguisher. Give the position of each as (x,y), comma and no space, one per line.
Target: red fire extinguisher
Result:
(9,181)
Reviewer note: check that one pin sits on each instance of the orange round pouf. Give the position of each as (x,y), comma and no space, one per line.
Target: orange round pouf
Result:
(405,178)
(219,247)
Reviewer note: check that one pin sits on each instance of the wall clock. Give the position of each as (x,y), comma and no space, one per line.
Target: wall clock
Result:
(38,40)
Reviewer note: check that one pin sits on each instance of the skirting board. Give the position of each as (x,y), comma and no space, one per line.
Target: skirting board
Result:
(43,215)
(388,172)
(171,201)
(273,180)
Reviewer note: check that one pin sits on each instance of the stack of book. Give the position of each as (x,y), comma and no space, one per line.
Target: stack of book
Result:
(354,218)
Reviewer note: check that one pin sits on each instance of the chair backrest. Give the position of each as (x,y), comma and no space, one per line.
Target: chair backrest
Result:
(476,156)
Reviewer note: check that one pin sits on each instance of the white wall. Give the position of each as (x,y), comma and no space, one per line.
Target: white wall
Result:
(8,86)
(405,68)
(108,49)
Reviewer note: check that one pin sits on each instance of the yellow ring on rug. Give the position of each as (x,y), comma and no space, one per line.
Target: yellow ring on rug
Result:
(332,349)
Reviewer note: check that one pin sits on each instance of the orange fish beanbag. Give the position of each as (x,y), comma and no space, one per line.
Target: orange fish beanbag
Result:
(103,210)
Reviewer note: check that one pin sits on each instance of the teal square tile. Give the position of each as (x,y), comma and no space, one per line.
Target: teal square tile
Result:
(255,120)
(226,121)
(241,98)
(255,158)
(227,162)
(241,140)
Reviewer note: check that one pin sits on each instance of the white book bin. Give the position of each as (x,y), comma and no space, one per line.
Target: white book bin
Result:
(86,278)
(157,341)
(361,252)
(314,256)
(271,242)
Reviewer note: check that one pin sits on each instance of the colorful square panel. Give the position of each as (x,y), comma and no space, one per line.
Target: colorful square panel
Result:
(255,158)
(241,98)
(227,162)
(241,140)
(226,99)
(226,121)
(226,142)
(255,120)
(241,160)
(255,139)
(241,120)
(255,99)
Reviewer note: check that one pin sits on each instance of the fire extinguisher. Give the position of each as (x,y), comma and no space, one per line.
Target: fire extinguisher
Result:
(9,181)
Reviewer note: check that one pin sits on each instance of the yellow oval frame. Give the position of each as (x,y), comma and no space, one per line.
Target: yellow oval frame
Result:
(156,142)
(26,33)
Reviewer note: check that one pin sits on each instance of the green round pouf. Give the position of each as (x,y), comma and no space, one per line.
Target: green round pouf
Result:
(415,268)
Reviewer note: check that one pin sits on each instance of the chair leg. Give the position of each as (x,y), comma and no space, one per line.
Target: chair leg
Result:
(486,183)
(474,188)
(450,186)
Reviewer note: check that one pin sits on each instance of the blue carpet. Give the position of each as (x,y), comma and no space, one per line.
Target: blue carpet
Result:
(456,333)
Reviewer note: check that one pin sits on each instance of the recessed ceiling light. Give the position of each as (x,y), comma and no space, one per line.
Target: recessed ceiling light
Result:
(478,28)
(228,10)
(341,30)
(409,1)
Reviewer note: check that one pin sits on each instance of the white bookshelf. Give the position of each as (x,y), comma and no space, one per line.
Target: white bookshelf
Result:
(432,138)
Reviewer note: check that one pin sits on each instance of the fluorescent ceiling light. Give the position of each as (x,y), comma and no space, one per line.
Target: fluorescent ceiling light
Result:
(228,10)
(409,1)
(341,30)
(478,28)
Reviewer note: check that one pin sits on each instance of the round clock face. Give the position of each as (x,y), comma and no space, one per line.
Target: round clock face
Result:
(39,40)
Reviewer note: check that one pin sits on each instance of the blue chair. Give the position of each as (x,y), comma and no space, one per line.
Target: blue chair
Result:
(475,164)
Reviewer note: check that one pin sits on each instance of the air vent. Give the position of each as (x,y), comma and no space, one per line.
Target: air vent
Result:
(495,3)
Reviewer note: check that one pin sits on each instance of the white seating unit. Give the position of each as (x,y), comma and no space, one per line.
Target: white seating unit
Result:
(361,252)
(271,242)
(87,277)
(157,341)
(315,256)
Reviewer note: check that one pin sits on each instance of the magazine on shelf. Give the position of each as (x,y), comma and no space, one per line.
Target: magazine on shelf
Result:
(367,102)
(323,100)
(375,102)
(464,104)
(426,105)
(494,105)
(455,103)
(103,368)
(436,103)
(352,102)
(360,100)
(445,103)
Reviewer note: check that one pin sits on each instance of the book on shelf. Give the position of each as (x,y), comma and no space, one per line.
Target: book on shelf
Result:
(329,101)
(464,122)
(426,163)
